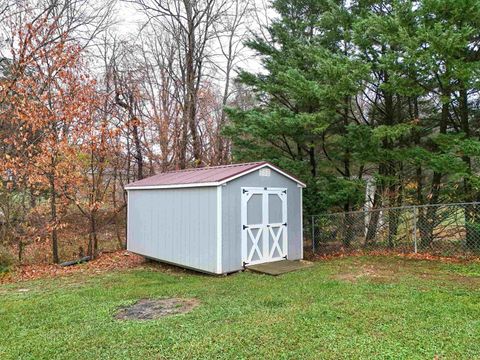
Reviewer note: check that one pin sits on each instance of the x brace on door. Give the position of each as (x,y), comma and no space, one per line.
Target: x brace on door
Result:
(269,243)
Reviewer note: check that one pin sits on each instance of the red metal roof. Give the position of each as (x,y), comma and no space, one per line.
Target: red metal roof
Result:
(201,176)
(196,175)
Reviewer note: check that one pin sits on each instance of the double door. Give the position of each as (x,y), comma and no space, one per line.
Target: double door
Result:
(264,225)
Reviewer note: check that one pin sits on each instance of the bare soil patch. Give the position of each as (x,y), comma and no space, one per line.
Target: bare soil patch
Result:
(371,272)
(150,309)
(392,272)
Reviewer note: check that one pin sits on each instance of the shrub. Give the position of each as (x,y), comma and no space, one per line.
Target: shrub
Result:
(6,260)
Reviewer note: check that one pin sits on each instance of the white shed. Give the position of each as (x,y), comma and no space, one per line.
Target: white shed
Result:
(217,219)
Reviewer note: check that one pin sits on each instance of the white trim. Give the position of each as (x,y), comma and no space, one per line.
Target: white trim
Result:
(286,175)
(260,167)
(219,229)
(261,190)
(174,186)
(216,183)
(265,229)
(276,239)
(243,217)
(284,199)
(301,222)
(128,221)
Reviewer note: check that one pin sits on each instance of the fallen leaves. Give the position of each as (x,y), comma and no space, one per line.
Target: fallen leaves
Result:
(418,256)
(122,259)
(117,260)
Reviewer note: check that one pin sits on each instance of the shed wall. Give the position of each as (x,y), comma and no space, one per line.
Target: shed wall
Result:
(231,216)
(175,225)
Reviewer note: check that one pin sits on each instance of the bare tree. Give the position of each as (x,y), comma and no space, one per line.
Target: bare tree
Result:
(164,96)
(231,34)
(191,25)
(39,35)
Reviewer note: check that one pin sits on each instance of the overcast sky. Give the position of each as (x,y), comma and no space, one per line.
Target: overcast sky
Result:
(130,19)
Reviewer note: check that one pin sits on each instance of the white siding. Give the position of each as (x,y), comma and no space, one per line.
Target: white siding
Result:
(231,224)
(175,225)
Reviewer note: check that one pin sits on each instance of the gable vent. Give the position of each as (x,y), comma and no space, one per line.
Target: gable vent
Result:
(264,171)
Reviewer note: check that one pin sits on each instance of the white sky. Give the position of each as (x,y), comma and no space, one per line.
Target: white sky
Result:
(129,20)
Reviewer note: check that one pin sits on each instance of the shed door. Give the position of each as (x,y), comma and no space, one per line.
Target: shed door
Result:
(264,225)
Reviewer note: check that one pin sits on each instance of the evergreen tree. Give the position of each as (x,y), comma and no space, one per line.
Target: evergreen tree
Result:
(387,89)
(304,101)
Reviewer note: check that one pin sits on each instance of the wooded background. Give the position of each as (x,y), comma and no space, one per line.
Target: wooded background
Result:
(348,93)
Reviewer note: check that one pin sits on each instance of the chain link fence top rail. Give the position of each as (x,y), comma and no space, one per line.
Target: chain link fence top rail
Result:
(442,229)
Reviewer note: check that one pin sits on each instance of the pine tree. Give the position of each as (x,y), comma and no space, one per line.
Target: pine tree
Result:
(381,88)
(304,100)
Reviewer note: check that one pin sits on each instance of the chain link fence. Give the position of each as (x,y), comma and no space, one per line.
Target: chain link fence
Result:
(443,229)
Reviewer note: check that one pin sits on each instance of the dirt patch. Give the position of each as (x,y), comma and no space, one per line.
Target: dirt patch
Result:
(149,309)
(371,272)
(394,271)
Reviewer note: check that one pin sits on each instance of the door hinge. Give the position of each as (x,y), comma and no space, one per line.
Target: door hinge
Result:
(245,227)
(245,264)
(284,224)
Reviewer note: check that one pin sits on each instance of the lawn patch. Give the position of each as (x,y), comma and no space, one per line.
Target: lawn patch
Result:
(394,308)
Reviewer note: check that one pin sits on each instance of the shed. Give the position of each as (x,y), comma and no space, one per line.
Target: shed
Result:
(217,219)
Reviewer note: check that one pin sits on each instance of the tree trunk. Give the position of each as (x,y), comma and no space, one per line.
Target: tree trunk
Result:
(221,153)
(374,218)
(21,247)
(350,221)
(190,107)
(182,158)
(428,218)
(138,148)
(116,215)
(53,219)
(472,216)
(463,110)
(313,161)
(349,226)
(133,124)
(393,215)
(472,227)
(391,187)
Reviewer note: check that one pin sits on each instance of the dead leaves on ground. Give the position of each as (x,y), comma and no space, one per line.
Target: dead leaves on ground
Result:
(117,260)
(120,260)
(418,256)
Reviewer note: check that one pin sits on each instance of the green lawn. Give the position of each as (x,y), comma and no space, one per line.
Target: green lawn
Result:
(357,307)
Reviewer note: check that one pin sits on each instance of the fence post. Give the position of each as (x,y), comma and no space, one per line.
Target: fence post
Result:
(415,209)
(313,233)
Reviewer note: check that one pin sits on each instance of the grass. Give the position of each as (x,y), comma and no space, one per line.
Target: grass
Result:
(354,307)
